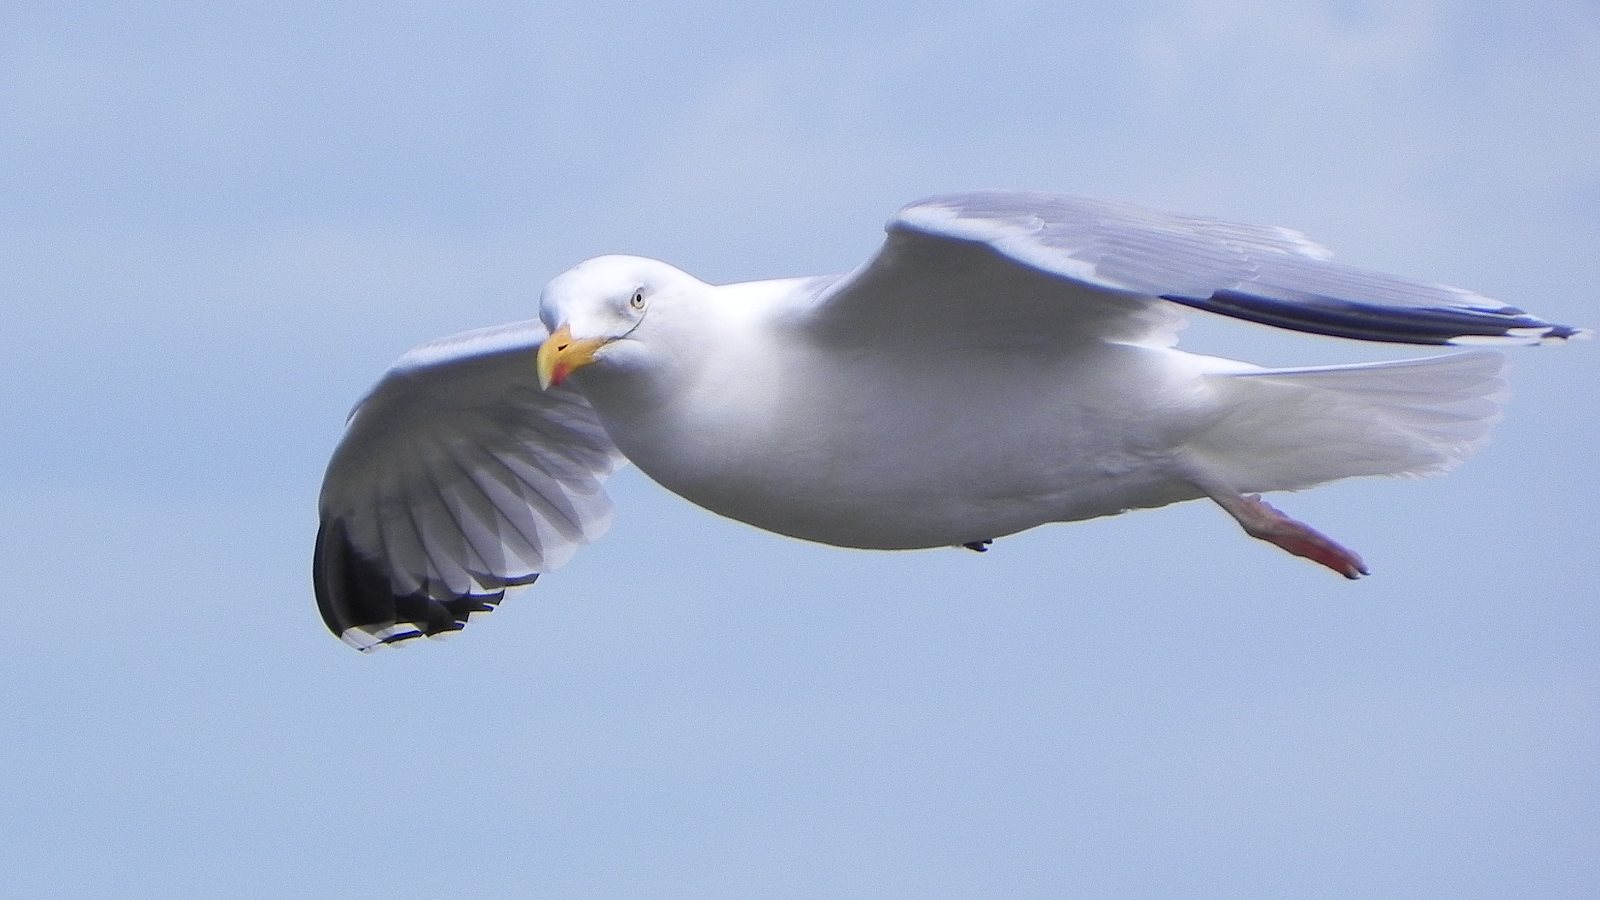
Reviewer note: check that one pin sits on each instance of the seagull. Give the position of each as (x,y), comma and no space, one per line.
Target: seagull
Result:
(1005,360)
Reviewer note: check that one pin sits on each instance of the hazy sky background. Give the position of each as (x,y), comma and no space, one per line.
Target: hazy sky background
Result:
(219,222)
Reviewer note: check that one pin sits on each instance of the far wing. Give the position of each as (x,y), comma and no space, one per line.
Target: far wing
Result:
(1045,265)
(456,478)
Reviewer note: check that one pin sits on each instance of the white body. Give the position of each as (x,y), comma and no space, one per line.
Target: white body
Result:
(914,446)
(920,442)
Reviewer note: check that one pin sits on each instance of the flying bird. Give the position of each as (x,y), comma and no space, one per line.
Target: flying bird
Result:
(1004,360)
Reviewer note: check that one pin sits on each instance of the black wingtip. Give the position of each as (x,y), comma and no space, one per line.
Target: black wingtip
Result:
(360,606)
(1565,332)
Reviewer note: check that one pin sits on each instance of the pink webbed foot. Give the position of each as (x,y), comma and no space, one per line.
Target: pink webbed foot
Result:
(1262,520)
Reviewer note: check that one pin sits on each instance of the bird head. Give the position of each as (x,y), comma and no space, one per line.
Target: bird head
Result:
(596,304)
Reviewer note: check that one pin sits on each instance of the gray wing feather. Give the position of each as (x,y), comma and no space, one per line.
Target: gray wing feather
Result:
(1113,263)
(456,478)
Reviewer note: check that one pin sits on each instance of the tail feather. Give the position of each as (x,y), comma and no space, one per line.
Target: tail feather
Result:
(1286,429)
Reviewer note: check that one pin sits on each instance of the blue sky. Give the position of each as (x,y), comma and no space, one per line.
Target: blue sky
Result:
(219,222)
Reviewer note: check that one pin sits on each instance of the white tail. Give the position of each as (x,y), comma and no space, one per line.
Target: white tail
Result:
(1286,429)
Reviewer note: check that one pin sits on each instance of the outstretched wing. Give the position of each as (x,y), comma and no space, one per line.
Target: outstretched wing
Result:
(456,478)
(1047,266)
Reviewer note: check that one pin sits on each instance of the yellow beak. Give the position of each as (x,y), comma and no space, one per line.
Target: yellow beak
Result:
(560,355)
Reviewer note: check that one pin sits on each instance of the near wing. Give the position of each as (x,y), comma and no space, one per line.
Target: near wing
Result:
(1040,264)
(456,478)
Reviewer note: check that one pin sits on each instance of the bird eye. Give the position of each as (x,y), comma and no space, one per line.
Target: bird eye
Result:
(637,300)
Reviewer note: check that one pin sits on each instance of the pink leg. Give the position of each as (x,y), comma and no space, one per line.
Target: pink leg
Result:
(1261,520)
